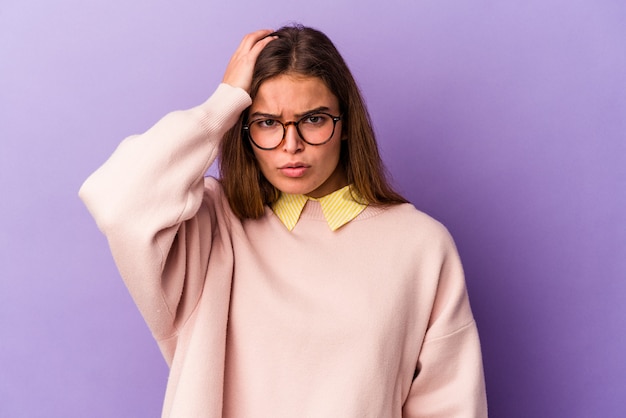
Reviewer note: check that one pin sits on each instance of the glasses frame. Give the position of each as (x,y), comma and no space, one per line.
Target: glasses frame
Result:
(335,119)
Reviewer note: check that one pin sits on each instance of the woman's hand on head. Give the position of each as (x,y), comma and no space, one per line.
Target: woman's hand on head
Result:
(239,70)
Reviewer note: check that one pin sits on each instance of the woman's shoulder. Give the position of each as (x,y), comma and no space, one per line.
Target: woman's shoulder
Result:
(402,212)
(213,186)
(215,199)
(406,219)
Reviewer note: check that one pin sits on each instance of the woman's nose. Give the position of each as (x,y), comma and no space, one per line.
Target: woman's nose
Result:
(292,143)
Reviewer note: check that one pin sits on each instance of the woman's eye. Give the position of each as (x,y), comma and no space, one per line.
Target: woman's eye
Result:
(315,119)
(266,123)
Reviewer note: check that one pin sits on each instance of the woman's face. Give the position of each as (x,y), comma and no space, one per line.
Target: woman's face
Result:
(294,166)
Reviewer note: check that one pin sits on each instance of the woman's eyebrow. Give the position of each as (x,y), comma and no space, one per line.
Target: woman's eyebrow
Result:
(263,115)
(297,115)
(315,110)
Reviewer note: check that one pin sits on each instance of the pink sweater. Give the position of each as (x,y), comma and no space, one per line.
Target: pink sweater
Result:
(257,321)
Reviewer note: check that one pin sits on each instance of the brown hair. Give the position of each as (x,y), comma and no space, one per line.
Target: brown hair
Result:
(306,52)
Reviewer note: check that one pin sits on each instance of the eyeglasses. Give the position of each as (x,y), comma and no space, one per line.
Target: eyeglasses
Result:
(314,129)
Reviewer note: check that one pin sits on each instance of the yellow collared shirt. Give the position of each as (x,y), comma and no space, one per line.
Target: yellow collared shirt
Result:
(339,207)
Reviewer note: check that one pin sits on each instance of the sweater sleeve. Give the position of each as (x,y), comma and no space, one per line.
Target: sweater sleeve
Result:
(147,197)
(449,378)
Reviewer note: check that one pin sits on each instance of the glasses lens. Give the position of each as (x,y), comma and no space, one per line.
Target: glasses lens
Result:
(315,129)
(266,133)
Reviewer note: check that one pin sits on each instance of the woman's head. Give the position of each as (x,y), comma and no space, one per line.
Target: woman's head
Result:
(305,55)
(305,52)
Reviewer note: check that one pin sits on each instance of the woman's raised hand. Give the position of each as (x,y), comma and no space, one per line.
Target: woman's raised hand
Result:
(239,70)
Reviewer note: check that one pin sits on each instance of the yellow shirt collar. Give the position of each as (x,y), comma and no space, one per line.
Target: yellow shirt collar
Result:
(339,207)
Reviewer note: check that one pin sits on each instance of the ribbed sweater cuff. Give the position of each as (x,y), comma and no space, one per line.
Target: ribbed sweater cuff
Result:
(232,101)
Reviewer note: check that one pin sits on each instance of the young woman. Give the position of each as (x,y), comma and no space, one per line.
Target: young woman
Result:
(299,284)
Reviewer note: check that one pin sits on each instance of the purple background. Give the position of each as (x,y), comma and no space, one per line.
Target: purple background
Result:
(506,120)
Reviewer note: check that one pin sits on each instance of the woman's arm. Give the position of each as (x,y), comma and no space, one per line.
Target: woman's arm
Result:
(449,380)
(150,201)
(145,192)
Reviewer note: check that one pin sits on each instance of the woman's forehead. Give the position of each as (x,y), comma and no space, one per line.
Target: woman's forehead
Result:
(288,95)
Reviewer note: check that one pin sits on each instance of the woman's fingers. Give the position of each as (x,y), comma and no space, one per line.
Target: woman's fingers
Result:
(241,65)
(248,41)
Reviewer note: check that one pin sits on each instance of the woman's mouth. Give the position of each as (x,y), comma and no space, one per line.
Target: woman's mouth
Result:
(294,169)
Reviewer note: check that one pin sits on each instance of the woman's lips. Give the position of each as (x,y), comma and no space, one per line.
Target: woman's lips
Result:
(294,170)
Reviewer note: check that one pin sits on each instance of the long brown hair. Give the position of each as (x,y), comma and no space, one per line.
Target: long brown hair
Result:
(306,52)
